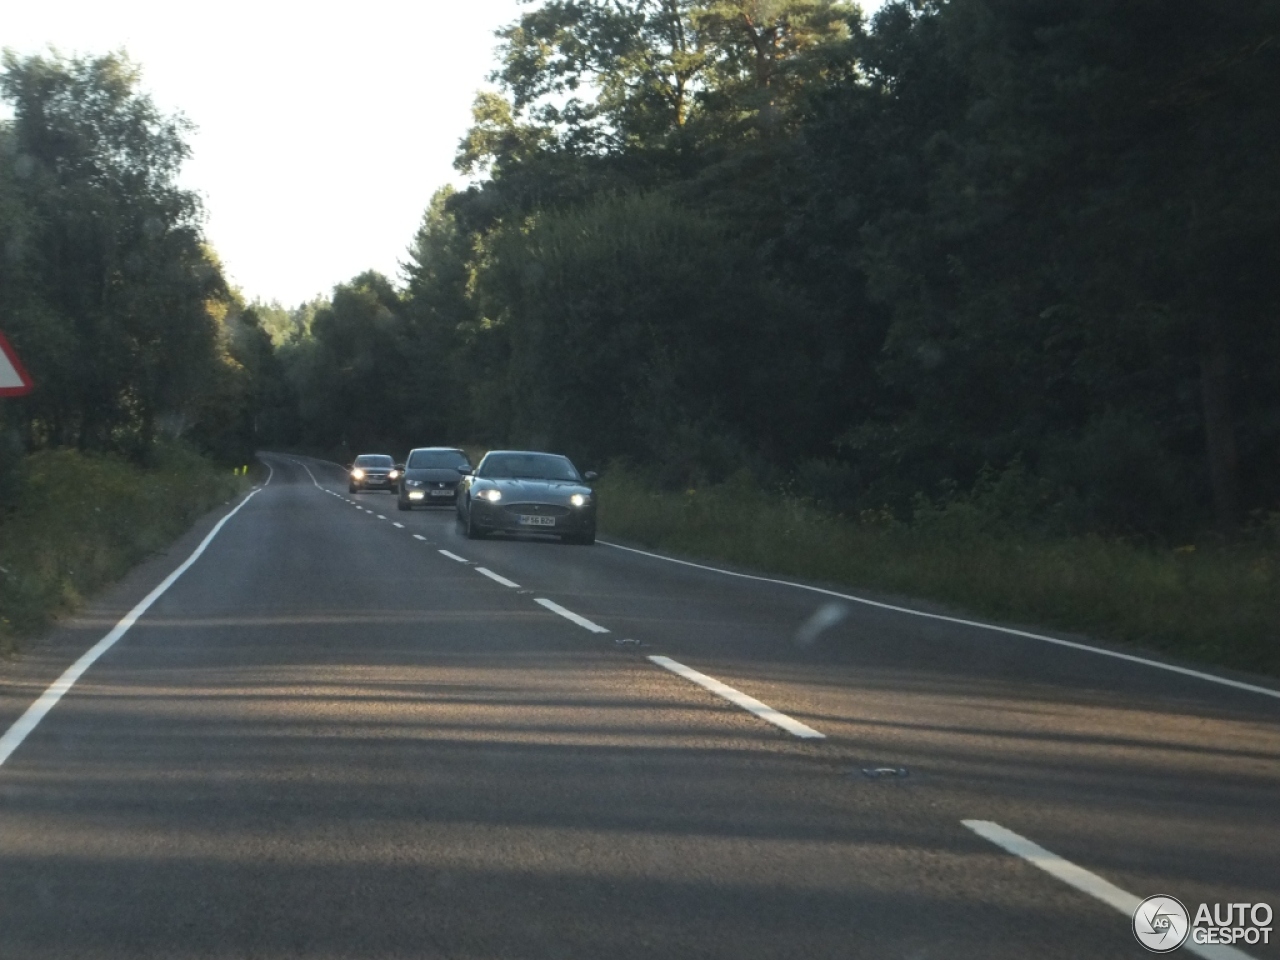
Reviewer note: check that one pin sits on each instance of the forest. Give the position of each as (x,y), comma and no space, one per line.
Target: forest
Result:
(1032,244)
(865,260)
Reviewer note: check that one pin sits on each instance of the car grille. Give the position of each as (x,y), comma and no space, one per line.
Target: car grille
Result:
(536,510)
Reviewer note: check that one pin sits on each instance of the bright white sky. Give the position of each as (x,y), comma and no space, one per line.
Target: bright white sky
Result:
(322,128)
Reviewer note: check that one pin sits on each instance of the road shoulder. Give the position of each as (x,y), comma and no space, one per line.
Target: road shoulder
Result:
(41,660)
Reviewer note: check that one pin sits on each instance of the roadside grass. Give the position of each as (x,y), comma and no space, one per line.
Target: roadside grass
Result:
(1216,604)
(81,521)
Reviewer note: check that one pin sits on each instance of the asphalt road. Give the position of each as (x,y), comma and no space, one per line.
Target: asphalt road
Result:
(329,739)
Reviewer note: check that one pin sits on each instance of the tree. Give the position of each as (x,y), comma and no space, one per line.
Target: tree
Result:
(1067,207)
(633,327)
(767,53)
(897,255)
(114,277)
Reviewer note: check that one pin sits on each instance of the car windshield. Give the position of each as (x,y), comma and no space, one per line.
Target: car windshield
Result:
(437,460)
(528,466)
(374,460)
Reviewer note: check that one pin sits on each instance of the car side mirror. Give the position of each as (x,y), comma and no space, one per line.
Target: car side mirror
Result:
(591,475)
(465,471)
(400,467)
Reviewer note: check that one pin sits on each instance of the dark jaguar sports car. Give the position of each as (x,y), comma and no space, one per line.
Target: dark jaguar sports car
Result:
(527,491)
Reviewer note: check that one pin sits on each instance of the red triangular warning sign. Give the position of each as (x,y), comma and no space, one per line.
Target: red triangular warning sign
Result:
(14,381)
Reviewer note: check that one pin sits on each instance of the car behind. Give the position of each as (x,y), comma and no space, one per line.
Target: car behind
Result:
(431,476)
(372,471)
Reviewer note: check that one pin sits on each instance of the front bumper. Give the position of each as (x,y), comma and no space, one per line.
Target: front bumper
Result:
(429,493)
(533,518)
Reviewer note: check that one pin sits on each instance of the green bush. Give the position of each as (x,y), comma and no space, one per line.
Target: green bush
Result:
(1216,603)
(80,521)
(11,468)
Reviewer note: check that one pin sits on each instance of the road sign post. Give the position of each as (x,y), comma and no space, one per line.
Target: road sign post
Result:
(14,380)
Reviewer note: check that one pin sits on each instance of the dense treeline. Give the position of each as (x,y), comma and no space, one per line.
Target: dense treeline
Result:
(1028,245)
(107,290)
(884,258)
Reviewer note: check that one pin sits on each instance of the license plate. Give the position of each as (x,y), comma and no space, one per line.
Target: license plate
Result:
(442,493)
(538,521)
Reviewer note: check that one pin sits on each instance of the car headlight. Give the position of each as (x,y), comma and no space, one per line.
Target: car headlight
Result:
(357,474)
(413,483)
(393,474)
(493,496)
(580,499)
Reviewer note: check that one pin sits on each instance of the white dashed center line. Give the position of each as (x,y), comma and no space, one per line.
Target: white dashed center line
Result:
(381,517)
(453,556)
(1084,881)
(570,615)
(496,578)
(738,698)
(400,525)
(418,536)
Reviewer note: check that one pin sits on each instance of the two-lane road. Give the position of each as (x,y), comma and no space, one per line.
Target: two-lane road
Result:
(347,731)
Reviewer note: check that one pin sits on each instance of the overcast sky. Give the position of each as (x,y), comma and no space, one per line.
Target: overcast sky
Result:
(322,129)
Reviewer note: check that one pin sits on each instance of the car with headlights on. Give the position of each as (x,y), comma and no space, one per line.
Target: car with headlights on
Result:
(431,476)
(372,471)
(526,491)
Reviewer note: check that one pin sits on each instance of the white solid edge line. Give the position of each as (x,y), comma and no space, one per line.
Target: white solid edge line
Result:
(570,615)
(400,525)
(1131,658)
(23,726)
(270,472)
(738,698)
(497,578)
(1085,881)
(418,536)
(453,556)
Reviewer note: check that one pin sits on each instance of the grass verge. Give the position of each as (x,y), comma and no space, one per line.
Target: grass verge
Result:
(81,521)
(1219,605)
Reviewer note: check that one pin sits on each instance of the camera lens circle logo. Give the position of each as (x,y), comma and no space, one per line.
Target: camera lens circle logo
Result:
(1161,924)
